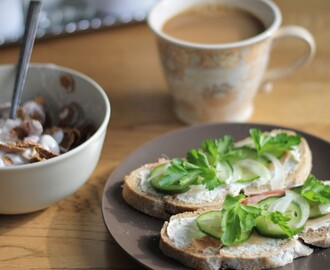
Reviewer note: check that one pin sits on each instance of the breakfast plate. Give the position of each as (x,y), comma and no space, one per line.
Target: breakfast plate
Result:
(138,234)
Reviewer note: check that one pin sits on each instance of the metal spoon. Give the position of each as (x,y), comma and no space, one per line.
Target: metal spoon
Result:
(25,54)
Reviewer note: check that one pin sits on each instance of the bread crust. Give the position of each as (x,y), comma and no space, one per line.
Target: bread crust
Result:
(150,204)
(319,237)
(188,255)
(317,232)
(163,206)
(282,254)
(270,252)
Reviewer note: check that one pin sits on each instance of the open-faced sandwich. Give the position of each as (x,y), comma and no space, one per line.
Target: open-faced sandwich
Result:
(261,163)
(257,232)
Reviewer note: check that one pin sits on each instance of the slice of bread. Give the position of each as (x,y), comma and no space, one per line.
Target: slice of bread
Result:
(159,205)
(317,230)
(180,240)
(140,195)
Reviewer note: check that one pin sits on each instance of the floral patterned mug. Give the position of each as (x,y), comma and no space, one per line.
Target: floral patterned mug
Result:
(218,82)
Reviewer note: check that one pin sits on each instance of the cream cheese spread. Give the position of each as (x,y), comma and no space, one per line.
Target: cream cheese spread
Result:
(181,231)
(198,194)
(144,183)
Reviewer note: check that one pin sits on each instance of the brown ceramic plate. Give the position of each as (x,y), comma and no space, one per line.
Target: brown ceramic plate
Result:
(138,234)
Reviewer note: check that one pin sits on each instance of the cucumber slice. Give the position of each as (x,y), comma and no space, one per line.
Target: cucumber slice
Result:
(251,170)
(210,224)
(265,203)
(314,207)
(224,171)
(169,189)
(303,204)
(252,153)
(247,176)
(297,189)
(158,171)
(315,211)
(267,228)
(156,175)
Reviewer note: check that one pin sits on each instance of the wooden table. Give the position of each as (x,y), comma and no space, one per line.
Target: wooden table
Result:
(71,234)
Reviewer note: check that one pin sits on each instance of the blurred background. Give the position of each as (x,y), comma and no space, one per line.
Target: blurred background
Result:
(63,17)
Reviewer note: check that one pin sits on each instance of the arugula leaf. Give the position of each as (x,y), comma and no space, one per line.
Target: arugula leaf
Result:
(210,179)
(208,174)
(179,172)
(184,173)
(237,219)
(173,173)
(217,149)
(315,191)
(258,138)
(281,220)
(275,145)
(201,165)
(198,158)
(224,149)
(231,201)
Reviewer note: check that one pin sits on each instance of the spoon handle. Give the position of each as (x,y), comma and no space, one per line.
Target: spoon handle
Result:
(25,54)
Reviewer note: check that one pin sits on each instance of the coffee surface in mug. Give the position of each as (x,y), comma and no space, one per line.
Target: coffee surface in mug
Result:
(213,24)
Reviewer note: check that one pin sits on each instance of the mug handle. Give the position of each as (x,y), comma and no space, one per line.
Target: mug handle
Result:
(281,72)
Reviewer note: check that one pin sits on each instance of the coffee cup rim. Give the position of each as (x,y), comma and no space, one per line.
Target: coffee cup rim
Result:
(242,43)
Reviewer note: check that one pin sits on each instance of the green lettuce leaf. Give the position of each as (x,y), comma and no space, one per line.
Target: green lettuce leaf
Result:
(275,145)
(237,219)
(179,171)
(200,166)
(315,191)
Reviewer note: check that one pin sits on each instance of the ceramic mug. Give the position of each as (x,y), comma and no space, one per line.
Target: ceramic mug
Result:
(218,82)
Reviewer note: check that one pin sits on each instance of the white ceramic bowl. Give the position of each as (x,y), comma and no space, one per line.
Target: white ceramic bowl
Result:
(31,187)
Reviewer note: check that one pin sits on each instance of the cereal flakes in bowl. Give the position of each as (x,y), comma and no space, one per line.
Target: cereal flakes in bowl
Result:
(53,146)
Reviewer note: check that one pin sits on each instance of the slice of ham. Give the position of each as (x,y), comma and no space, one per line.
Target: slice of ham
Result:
(257,198)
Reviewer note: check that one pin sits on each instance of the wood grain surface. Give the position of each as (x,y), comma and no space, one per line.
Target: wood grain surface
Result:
(124,60)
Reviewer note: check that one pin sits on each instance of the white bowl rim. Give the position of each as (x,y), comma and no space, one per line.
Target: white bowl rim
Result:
(102,128)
